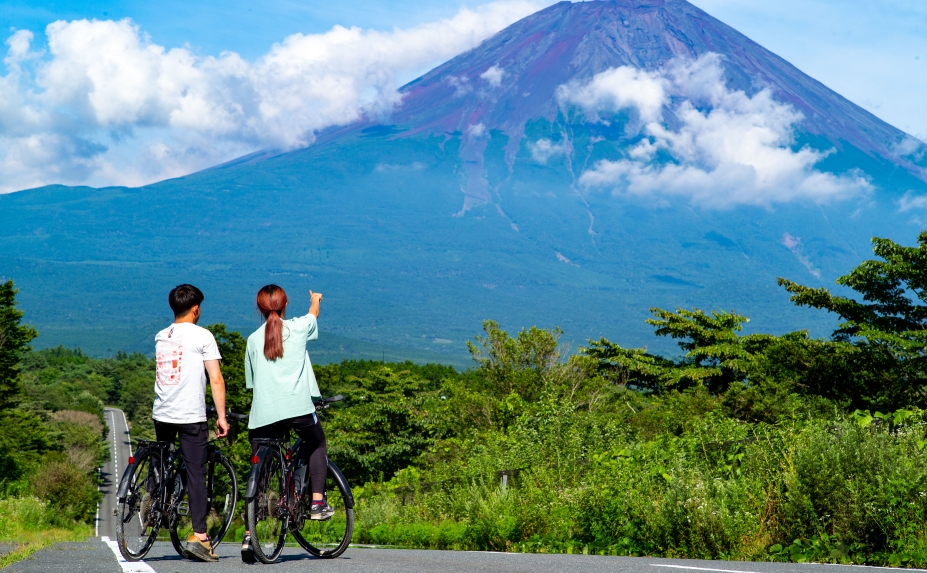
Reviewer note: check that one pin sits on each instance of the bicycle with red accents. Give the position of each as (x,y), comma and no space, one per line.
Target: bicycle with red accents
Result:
(277,501)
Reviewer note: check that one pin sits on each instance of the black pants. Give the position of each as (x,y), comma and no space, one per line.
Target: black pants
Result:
(193,440)
(314,446)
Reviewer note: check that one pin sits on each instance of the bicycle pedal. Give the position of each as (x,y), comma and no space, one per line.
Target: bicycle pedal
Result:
(184,508)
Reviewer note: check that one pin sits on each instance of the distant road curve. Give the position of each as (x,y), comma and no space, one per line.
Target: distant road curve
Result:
(120,448)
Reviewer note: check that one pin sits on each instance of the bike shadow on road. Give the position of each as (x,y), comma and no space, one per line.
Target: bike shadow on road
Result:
(223,556)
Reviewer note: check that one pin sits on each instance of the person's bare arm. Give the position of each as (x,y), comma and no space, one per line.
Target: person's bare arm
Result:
(217,382)
(316,298)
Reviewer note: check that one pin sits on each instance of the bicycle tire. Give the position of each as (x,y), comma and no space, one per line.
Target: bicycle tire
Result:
(135,540)
(220,505)
(263,516)
(330,538)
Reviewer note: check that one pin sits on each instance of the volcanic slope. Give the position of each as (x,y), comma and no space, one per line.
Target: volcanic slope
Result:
(588,162)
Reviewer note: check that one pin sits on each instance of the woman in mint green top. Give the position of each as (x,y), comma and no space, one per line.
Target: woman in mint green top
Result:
(278,369)
(283,387)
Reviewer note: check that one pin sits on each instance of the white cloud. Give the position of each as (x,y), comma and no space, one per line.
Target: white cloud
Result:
(476,130)
(105,105)
(493,76)
(728,148)
(617,89)
(544,149)
(909,201)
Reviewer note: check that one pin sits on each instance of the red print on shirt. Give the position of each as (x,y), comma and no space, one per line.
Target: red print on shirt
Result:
(169,356)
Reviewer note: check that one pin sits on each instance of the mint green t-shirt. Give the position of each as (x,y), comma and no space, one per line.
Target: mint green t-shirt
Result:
(283,388)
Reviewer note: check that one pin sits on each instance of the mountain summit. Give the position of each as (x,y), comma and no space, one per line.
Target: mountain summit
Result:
(513,77)
(588,162)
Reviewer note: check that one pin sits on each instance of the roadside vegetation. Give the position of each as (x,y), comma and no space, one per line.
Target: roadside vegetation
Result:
(754,446)
(52,438)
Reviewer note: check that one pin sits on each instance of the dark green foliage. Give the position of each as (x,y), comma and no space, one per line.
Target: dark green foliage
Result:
(232,348)
(14,340)
(51,408)
(514,365)
(68,489)
(715,356)
(23,442)
(888,328)
(387,425)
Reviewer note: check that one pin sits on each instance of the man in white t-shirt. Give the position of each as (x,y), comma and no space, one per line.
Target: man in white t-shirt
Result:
(185,353)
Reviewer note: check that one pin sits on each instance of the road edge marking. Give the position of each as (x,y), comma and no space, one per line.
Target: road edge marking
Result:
(127,566)
(701,568)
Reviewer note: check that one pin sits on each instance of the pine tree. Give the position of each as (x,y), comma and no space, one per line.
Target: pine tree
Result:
(14,340)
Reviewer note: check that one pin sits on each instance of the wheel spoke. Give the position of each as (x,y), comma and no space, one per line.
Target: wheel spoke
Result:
(136,528)
(330,535)
(267,525)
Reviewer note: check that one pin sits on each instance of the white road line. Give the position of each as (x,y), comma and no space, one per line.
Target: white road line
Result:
(126,424)
(701,568)
(127,566)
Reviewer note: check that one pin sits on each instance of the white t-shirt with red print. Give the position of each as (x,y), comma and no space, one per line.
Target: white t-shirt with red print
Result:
(180,385)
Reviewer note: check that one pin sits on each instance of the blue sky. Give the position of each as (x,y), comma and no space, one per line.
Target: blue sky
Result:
(244,26)
(873,53)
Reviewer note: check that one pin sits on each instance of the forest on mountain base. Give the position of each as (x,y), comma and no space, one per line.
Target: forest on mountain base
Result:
(756,447)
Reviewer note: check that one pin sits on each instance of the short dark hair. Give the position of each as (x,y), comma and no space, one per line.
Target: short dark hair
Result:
(183,298)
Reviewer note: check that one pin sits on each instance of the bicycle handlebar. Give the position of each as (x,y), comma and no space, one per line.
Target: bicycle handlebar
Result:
(211,412)
(321,402)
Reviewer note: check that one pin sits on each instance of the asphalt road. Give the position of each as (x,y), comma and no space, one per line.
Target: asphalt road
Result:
(120,449)
(97,557)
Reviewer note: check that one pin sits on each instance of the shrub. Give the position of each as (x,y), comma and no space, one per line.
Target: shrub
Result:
(79,418)
(67,488)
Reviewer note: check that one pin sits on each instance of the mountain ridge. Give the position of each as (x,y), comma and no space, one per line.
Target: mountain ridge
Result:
(603,30)
(469,201)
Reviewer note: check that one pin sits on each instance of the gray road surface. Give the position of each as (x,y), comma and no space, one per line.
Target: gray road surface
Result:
(119,451)
(95,556)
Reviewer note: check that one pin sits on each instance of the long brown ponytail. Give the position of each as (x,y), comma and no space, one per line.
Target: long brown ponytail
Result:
(271,301)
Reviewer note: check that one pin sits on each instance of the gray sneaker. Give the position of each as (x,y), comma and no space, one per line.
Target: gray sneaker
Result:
(200,550)
(320,510)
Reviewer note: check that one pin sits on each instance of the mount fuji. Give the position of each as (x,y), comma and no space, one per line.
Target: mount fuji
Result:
(586,163)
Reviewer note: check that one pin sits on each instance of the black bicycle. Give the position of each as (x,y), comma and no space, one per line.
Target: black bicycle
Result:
(277,501)
(152,495)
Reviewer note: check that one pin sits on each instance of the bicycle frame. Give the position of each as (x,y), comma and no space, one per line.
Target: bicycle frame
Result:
(290,458)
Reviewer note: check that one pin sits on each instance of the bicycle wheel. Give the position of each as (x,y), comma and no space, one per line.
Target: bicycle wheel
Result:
(221,499)
(266,521)
(139,514)
(329,538)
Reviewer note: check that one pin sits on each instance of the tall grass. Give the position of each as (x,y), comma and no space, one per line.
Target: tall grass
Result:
(714,488)
(32,524)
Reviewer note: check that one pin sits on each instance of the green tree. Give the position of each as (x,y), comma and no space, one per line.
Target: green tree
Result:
(14,340)
(715,355)
(387,425)
(515,365)
(232,347)
(761,376)
(887,328)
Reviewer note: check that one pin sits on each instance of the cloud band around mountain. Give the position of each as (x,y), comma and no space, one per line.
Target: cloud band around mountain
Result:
(726,148)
